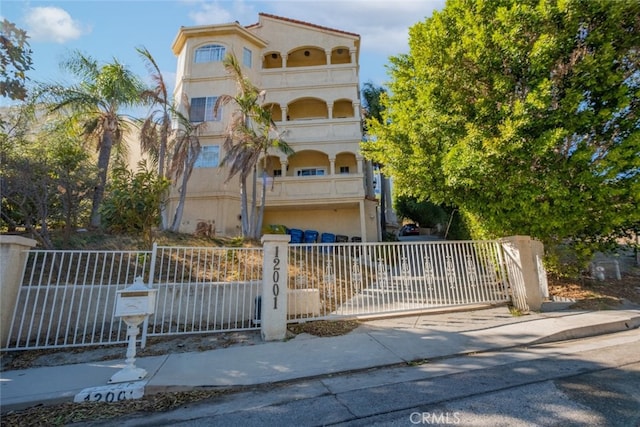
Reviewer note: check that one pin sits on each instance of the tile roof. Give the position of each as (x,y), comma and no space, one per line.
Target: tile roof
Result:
(295,21)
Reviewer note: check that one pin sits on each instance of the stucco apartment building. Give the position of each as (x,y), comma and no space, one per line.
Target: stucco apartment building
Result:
(311,78)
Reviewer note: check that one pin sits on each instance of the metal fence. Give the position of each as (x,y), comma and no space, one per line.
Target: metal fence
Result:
(67,298)
(206,289)
(365,279)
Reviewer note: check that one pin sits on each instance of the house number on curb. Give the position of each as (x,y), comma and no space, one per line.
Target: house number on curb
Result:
(112,393)
(276,278)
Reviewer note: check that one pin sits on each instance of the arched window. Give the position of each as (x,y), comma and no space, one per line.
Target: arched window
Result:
(209,53)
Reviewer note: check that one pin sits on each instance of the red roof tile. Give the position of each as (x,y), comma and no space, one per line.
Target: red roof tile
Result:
(295,21)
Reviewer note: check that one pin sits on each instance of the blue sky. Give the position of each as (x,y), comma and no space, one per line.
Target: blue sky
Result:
(112,29)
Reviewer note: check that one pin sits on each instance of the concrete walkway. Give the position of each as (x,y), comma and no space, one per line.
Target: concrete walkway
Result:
(377,343)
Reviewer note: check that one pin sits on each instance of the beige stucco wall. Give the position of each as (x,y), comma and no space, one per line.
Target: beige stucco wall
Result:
(222,212)
(344,221)
(287,36)
(13,255)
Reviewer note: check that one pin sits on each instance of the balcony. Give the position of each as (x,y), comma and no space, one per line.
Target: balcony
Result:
(309,76)
(290,190)
(320,129)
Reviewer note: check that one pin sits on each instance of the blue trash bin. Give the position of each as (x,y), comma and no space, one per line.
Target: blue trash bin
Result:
(328,238)
(296,235)
(310,236)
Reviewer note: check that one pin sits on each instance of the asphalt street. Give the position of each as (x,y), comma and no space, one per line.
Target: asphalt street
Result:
(588,382)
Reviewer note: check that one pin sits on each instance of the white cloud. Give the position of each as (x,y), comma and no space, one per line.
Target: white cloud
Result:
(52,24)
(383,25)
(220,12)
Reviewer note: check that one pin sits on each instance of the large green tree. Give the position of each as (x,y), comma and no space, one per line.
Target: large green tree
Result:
(523,113)
(46,174)
(97,98)
(15,58)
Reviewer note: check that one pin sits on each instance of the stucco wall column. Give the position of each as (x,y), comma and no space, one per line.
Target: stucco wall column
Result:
(273,309)
(527,275)
(13,256)
(363,220)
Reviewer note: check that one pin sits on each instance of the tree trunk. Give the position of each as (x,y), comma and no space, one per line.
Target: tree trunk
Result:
(383,206)
(254,220)
(186,174)
(244,214)
(263,198)
(103,166)
(164,136)
(68,217)
(177,217)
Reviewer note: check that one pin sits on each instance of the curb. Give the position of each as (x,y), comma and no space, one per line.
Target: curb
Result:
(591,330)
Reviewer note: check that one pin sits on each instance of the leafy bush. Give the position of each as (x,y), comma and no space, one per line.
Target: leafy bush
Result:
(133,201)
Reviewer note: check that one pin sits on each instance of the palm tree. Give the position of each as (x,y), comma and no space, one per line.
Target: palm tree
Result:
(155,130)
(251,134)
(95,100)
(186,150)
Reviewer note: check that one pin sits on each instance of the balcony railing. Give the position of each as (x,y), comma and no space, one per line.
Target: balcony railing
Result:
(287,189)
(304,76)
(320,129)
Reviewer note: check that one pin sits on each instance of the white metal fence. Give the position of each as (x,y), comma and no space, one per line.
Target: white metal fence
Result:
(68,297)
(365,279)
(205,289)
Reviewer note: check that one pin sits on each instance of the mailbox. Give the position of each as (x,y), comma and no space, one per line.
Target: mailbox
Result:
(133,304)
(136,300)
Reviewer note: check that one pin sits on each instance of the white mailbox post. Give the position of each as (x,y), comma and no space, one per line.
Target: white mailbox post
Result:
(133,305)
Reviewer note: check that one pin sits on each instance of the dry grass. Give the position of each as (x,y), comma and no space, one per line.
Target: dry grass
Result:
(67,413)
(590,294)
(325,328)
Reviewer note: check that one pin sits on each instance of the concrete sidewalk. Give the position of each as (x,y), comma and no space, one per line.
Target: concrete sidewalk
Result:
(376,343)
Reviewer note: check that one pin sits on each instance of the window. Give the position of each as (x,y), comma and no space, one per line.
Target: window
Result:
(344,169)
(310,171)
(277,172)
(209,53)
(202,110)
(246,57)
(208,157)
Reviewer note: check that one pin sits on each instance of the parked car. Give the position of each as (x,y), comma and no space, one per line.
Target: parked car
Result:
(409,230)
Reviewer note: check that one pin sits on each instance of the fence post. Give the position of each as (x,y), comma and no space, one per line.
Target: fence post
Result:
(275,264)
(13,256)
(526,272)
